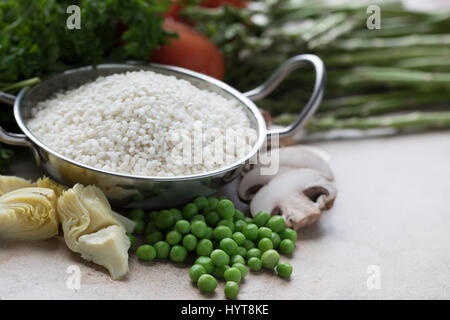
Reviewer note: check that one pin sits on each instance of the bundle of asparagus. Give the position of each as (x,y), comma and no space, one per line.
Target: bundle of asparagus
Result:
(397,76)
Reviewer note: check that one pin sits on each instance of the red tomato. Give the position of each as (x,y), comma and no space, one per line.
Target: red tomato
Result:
(190,50)
(218,3)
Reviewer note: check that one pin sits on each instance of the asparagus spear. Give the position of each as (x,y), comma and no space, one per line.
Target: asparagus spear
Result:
(419,120)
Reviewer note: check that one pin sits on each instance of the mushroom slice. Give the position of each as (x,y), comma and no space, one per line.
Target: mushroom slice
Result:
(290,158)
(254,180)
(304,157)
(298,195)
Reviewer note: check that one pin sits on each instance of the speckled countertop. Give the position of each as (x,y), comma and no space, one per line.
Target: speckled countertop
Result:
(388,236)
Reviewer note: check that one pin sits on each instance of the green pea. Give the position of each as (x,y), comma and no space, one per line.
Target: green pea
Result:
(219,257)
(201,202)
(238,225)
(190,242)
(231,290)
(173,237)
(197,217)
(265,244)
(196,271)
(209,233)
(154,237)
(237,259)
(270,259)
(178,253)
(254,263)
(290,234)
(198,229)
(152,215)
(222,198)
(250,231)
(136,213)
(146,252)
(248,220)
(139,228)
(261,218)
(238,237)
(221,232)
(242,268)
(238,215)
(275,237)
(132,239)
(212,205)
(177,215)
(277,223)
(207,283)
(183,226)
(248,244)
(190,210)
(264,232)
(164,220)
(212,218)
(219,271)
(242,251)
(204,247)
(150,228)
(162,249)
(225,208)
(287,246)
(206,262)
(229,246)
(253,253)
(284,270)
(227,223)
(212,202)
(232,274)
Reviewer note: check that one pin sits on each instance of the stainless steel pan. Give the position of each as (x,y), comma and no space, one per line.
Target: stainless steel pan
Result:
(147,191)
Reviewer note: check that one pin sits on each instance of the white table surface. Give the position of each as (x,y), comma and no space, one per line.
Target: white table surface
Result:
(392,212)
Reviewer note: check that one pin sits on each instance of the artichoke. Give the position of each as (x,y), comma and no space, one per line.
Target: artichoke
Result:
(107,247)
(28,214)
(8,184)
(46,182)
(87,218)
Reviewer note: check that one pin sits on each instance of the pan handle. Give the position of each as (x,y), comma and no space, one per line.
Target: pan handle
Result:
(279,75)
(15,139)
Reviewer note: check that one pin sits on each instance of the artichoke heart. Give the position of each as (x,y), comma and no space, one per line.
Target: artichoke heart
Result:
(107,247)
(28,214)
(46,182)
(10,183)
(86,216)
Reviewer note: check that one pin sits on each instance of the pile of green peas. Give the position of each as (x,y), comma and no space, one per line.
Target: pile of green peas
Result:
(225,241)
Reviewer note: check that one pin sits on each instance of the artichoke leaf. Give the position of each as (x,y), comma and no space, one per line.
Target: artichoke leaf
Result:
(107,247)
(11,183)
(46,182)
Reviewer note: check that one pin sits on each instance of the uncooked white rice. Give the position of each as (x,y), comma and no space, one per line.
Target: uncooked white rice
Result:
(129,122)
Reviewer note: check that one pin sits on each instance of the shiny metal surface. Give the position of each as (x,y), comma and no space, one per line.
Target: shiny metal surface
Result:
(146,191)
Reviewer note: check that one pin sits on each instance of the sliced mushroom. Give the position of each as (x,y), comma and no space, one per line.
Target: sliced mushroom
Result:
(289,159)
(298,195)
(254,180)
